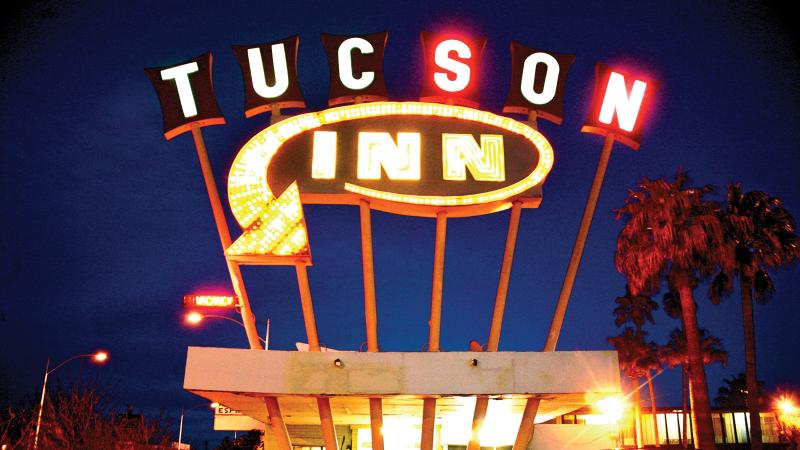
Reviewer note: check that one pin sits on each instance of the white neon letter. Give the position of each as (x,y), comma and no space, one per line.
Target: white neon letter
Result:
(257,71)
(442,59)
(181,76)
(323,160)
(401,161)
(346,63)
(461,152)
(550,78)
(617,99)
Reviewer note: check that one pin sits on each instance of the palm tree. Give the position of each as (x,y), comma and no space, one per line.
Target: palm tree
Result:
(636,358)
(733,394)
(638,309)
(762,234)
(674,354)
(671,231)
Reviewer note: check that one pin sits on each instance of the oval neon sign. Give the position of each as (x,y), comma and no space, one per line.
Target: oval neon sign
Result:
(405,157)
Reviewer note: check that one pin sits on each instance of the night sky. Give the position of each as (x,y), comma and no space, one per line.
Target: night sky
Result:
(106,225)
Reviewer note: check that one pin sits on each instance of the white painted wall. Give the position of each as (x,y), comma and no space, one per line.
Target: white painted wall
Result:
(418,373)
(573,437)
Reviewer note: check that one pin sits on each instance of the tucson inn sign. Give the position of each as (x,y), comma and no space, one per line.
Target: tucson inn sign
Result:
(441,157)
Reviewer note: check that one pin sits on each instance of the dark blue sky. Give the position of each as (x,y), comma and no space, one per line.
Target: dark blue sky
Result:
(106,224)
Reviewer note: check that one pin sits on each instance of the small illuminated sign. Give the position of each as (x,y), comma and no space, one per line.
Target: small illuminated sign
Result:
(620,103)
(451,68)
(210,301)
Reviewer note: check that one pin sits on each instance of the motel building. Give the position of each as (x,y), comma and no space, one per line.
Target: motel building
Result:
(440,157)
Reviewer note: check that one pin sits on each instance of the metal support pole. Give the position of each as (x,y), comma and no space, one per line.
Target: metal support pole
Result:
(428,423)
(326,422)
(525,432)
(278,426)
(266,336)
(376,422)
(323,403)
(505,276)
(370,309)
(276,116)
(481,404)
(308,308)
(41,405)
(180,431)
(225,238)
(580,243)
(434,325)
(371,315)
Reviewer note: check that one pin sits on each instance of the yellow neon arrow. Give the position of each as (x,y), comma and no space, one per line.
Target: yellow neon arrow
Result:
(279,230)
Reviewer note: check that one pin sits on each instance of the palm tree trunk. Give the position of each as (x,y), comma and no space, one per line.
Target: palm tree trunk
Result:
(653,408)
(753,407)
(637,413)
(701,407)
(684,387)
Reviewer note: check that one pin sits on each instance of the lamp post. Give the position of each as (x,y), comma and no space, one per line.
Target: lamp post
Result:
(99,357)
(194,318)
(180,428)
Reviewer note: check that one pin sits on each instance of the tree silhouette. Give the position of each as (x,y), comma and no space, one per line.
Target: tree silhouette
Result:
(672,232)
(762,235)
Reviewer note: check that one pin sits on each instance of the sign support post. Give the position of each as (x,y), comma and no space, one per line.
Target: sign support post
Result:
(525,433)
(580,243)
(429,404)
(225,238)
(310,323)
(482,402)
(371,316)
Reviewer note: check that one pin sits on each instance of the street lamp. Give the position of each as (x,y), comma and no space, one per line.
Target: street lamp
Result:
(194,318)
(180,429)
(99,357)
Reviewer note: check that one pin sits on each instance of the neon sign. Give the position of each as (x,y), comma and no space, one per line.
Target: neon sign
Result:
(327,157)
(412,158)
(210,301)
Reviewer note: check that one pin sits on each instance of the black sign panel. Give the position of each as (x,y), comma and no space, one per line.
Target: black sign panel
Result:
(294,160)
(537,82)
(356,64)
(269,72)
(186,94)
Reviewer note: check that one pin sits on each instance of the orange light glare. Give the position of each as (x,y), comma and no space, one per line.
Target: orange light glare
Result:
(214,405)
(100,357)
(787,406)
(194,318)
(612,408)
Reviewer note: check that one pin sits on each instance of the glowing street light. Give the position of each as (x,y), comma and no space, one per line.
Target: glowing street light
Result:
(612,408)
(787,406)
(213,405)
(99,357)
(194,318)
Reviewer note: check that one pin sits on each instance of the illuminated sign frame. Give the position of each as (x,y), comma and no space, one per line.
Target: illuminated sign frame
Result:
(273,224)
